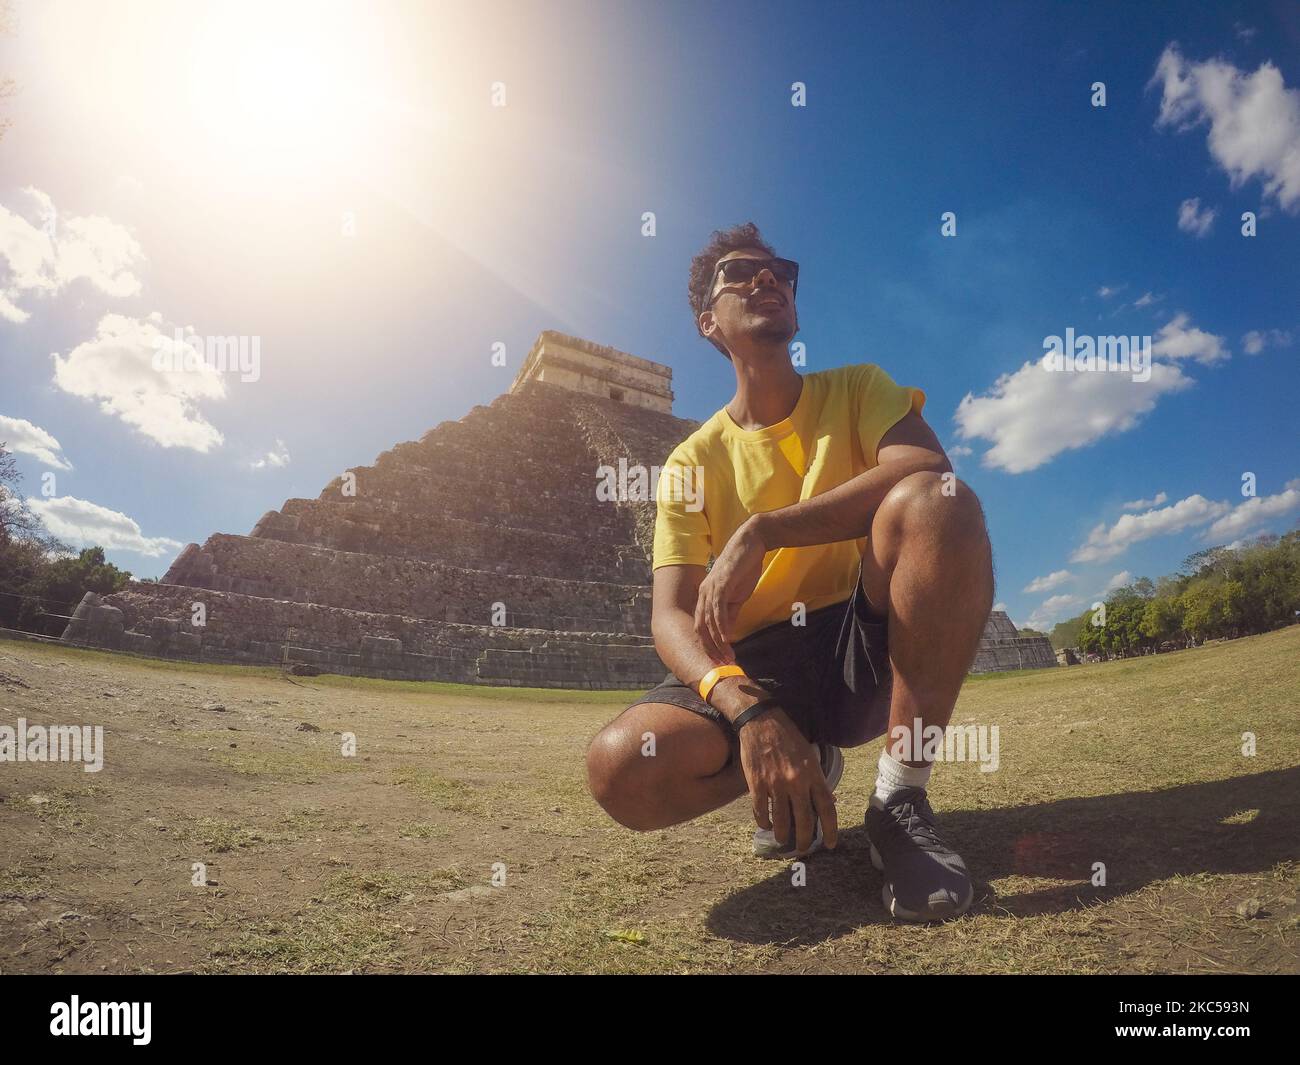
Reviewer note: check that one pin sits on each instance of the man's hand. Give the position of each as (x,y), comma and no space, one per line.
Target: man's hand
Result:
(783,771)
(723,592)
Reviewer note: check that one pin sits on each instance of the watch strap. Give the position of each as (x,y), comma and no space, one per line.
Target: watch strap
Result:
(751,712)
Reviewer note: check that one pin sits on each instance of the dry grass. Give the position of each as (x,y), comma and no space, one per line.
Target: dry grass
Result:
(393,860)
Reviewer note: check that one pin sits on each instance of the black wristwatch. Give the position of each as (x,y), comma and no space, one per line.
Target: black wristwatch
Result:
(749,713)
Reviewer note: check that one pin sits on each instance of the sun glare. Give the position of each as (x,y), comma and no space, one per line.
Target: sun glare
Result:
(289,86)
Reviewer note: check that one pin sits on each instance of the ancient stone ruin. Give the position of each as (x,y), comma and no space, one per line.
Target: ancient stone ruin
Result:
(480,553)
(1002,648)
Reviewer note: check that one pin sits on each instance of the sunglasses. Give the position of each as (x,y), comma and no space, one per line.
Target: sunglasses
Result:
(742,271)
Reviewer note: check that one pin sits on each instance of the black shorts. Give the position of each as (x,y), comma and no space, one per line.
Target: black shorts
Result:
(825,674)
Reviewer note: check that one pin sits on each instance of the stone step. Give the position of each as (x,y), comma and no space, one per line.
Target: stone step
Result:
(488,455)
(304,573)
(490,546)
(495,472)
(155,619)
(602,522)
(463,494)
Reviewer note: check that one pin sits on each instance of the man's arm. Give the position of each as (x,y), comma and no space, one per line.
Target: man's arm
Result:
(673,625)
(843,513)
(846,511)
(780,767)
(672,622)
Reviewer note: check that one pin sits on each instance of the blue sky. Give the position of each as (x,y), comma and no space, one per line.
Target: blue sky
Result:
(200,162)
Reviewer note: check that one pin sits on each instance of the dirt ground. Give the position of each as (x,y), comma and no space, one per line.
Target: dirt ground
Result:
(460,836)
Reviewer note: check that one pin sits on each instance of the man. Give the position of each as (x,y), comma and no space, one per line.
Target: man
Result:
(851,581)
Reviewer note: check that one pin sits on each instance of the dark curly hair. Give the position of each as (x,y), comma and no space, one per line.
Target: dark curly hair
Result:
(723,242)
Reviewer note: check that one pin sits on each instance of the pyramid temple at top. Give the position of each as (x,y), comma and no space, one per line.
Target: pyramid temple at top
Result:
(480,553)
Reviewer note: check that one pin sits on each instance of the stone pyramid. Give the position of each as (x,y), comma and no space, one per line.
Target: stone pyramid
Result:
(480,553)
(1002,647)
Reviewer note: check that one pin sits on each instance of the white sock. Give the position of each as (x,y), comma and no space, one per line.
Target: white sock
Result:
(892,776)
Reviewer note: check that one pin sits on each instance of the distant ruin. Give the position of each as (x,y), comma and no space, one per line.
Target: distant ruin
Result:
(479,553)
(1002,648)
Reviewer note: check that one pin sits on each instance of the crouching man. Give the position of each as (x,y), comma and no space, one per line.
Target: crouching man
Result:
(851,580)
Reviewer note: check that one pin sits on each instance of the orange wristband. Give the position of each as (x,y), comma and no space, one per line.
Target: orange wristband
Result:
(710,679)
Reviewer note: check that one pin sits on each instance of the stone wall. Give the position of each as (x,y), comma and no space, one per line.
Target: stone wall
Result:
(156,620)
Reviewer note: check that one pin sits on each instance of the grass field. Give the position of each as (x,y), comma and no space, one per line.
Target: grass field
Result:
(384,861)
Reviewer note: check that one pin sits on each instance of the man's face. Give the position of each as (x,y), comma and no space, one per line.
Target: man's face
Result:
(761,309)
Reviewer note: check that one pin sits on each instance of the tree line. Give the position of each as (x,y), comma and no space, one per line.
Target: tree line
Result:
(1218,593)
(40,576)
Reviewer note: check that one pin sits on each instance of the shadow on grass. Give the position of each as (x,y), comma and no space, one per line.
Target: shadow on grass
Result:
(1142,837)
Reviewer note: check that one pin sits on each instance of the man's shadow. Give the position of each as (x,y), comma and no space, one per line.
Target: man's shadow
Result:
(1141,837)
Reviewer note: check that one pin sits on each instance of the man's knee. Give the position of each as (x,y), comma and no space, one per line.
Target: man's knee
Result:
(939,503)
(619,775)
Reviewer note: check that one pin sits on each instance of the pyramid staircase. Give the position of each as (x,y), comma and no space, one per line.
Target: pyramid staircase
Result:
(479,553)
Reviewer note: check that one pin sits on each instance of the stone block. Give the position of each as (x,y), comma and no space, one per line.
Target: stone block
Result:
(184,643)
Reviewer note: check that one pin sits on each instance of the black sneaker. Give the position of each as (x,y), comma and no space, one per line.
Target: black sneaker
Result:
(925,879)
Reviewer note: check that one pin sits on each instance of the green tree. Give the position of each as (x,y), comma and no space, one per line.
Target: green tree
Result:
(1162,618)
(1066,633)
(1207,563)
(1211,607)
(38,574)
(63,581)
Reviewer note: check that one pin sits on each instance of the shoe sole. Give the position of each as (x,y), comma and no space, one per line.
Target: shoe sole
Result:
(903,914)
(832,781)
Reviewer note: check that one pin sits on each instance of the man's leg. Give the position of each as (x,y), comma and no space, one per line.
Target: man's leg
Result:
(929,564)
(687,775)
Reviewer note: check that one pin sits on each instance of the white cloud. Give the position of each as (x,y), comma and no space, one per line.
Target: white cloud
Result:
(85,524)
(49,255)
(1143,504)
(279,457)
(1052,580)
(1105,543)
(1255,511)
(23,438)
(1253,119)
(1177,339)
(1053,610)
(1256,341)
(1031,415)
(1120,579)
(1000,606)
(1106,291)
(960,451)
(116,368)
(1146,299)
(1191,219)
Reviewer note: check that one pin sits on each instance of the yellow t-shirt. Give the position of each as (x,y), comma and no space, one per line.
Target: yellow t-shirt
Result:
(830,437)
